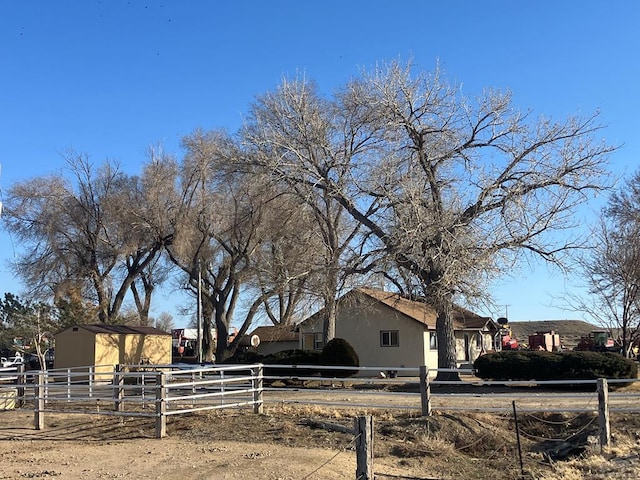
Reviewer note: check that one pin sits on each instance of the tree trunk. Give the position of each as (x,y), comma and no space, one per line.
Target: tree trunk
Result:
(329,321)
(446,341)
(207,321)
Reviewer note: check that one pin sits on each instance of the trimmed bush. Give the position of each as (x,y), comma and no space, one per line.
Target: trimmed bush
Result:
(293,357)
(589,365)
(339,352)
(245,358)
(535,365)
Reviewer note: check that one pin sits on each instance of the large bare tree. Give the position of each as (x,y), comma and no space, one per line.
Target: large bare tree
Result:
(285,266)
(220,229)
(454,191)
(309,144)
(82,235)
(612,267)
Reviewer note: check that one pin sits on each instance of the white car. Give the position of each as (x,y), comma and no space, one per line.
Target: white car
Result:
(12,361)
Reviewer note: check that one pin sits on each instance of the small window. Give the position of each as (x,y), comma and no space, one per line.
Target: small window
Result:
(389,338)
(433,341)
(312,341)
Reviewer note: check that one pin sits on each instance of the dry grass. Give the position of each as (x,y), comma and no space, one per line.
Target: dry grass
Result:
(471,446)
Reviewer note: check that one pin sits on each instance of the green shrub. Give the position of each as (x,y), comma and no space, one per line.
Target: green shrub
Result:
(536,365)
(246,357)
(293,357)
(590,365)
(339,352)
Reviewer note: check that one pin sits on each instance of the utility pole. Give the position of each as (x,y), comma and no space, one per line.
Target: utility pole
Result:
(199,312)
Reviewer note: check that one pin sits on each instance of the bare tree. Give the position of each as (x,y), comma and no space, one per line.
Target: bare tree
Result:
(143,209)
(455,192)
(219,230)
(164,321)
(285,265)
(303,140)
(82,234)
(612,267)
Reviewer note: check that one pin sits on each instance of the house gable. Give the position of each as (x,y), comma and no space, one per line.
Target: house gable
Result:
(387,329)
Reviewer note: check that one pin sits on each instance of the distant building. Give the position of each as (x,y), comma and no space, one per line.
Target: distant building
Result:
(104,346)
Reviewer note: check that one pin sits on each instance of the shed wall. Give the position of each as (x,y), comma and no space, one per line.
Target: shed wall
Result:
(153,349)
(74,348)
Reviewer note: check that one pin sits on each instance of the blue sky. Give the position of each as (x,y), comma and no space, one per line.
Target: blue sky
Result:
(109,78)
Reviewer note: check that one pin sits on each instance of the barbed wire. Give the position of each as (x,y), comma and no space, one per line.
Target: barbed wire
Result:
(537,437)
(408,444)
(351,443)
(551,422)
(391,475)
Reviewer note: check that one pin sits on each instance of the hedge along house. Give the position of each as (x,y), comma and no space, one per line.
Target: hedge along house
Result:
(104,346)
(390,331)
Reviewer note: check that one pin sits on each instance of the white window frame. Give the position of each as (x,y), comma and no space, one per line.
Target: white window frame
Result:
(387,338)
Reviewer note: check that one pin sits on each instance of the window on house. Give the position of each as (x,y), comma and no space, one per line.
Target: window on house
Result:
(433,341)
(389,338)
(312,341)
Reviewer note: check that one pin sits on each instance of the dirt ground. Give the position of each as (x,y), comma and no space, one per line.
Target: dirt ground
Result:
(290,443)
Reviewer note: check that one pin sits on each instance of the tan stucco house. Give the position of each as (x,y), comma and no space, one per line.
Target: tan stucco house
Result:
(105,346)
(388,330)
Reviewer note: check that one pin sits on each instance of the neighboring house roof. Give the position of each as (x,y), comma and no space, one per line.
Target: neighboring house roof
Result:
(276,333)
(121,329)
(422,312)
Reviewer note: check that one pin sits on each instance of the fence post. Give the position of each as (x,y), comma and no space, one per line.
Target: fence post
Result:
(222,399)
(118,388)
(92,375)
(20,386)
(258,372)
(425,391)
(161,405)
(193,389)
(603,413)
(68,384)
(38,401)
(364,448)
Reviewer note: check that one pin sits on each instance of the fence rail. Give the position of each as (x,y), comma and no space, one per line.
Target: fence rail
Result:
(160,391)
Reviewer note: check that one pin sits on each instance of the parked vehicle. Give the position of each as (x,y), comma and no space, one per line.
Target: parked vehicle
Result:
(507,341)
(12,361)
(598,341)
(548,341)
